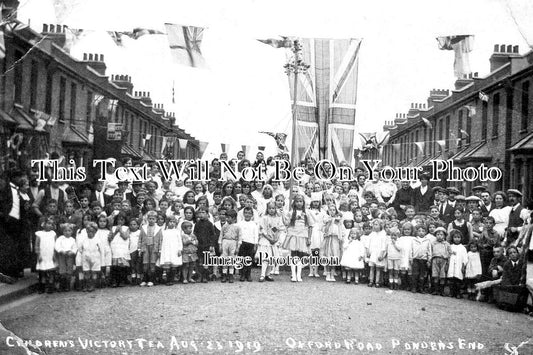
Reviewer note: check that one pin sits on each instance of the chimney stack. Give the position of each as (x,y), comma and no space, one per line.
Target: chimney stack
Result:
(123,81)
(55,33)
(95,61)
(502,55)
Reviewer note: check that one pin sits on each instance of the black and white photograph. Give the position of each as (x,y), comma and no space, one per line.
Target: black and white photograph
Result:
(266,176)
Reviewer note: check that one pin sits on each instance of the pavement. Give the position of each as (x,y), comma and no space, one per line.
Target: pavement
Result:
(23,287)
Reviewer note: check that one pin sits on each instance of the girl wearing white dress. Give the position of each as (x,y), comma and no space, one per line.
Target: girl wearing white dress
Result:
(376,251)
(103,234)
(170,252)
(270,226)
(45,248)
(120,250)
(317,235)
(354,255)
(405,242)
(473,270)
(457,265)
(331,245)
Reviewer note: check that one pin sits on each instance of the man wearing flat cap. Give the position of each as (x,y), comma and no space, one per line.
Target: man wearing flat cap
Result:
(515,221)
(477,190)
(486,203)
(452,192)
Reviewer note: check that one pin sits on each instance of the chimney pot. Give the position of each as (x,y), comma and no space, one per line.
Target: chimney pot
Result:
(475,74)
(58,28)
(515,49)
(509,48)
(52,28)
(45,28)
(101,57)
(502,48)
(496,48)
(84,56)
(65,27)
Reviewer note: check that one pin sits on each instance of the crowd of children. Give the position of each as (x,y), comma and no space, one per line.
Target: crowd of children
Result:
(160,232)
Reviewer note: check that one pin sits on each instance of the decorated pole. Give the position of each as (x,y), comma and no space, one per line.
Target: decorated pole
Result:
(295,66)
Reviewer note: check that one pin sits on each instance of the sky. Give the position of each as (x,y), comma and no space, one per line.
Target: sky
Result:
(245,89)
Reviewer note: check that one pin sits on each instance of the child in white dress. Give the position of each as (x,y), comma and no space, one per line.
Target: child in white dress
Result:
(103,234)
(376,251)
(91,257)
(473,270)
(317,235)
(354,255)
(171,247)
(269,230)
(66,254)
(45,249)
(120,252)
(457,265)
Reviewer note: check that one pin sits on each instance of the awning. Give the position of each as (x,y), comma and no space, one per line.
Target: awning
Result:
(72,135)
(147,157)
(465,151)
(479,153)
(524,144)
(5,118)
(426,161)
(130,151)
(23,120)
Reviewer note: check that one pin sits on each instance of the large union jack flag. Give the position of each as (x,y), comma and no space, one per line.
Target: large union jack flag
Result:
(326,98)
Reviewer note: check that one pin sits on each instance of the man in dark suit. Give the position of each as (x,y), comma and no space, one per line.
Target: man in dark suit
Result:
(515,220)
(404,198)
(98,194)
(445,209)
(12,241)
(423,195)
(136,186)
(486,204)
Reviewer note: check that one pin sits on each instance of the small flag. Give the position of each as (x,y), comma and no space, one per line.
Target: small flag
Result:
(461,45)
(143,143)
(91,133)
(139,32)
(441,143)
(463,132)
(420,146)
(396,147)
(203,147)
(148,137)
(483,96)
(116,37)
(185,42)
(182,143)
(2,44)
(471,109)
(39,125)
(427,123)
(111,108)
(284,42)
(164,143)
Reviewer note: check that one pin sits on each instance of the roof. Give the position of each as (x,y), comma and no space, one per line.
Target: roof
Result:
(24,121)
(5,118)
(525,143)
(74,136)
(477,152)
(130,151)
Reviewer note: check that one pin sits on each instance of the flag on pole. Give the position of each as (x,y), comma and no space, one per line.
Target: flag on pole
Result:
(441,143)
(203,147)
(462,45)
(39,125)
(471,109)
(421,146)
(483,96)
(282,42)
(116,36)
(148,137)
(464,133)
(183,143)
(185,42)
(427,123)
(72,36)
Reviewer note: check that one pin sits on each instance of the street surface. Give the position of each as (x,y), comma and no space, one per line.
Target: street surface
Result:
(271,317)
